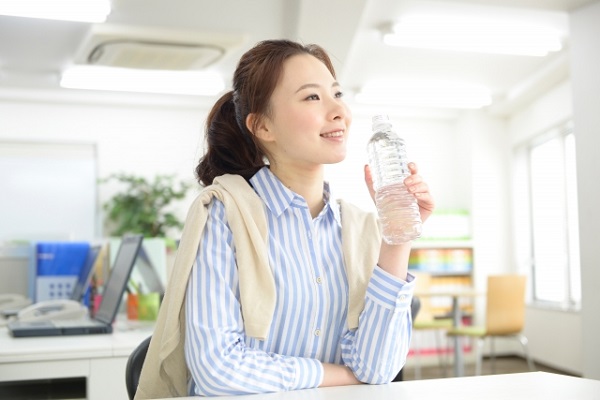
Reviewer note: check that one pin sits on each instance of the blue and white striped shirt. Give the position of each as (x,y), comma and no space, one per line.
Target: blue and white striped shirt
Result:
(310,320)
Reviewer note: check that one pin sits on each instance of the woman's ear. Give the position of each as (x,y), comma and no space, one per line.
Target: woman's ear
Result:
(258,126)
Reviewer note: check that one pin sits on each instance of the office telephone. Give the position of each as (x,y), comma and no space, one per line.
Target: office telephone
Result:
(10,304)
(13,301)
(52,309)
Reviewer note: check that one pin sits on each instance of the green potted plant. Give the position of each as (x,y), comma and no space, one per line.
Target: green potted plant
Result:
(143,206)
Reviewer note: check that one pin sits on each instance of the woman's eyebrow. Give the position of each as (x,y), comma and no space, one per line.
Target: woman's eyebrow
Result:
(315,85)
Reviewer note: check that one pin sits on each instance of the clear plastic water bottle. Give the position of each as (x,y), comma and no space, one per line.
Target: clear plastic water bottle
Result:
(397,208)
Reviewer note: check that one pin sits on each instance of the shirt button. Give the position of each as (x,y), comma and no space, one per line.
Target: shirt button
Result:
(309,235)
(403,297)
(317,332)
(319,280)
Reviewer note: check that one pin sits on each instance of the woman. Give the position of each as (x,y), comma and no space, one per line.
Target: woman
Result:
(288,289)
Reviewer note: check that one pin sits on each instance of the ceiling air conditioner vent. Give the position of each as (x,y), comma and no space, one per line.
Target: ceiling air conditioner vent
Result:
(154,55)
(154,48)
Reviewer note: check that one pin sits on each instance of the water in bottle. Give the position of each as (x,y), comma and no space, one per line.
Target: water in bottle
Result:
(397,208)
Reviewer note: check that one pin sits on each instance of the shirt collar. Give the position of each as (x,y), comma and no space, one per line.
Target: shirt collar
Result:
(278,198)
(331,204)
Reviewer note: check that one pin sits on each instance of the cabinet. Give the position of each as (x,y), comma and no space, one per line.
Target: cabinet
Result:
(450,264)
(445,266)
(99,359)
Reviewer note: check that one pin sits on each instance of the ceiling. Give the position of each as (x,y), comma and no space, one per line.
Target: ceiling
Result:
(33,52)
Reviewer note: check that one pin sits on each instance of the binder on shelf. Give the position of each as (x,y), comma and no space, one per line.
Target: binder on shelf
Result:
(442,260)
(58,265)
(459,260)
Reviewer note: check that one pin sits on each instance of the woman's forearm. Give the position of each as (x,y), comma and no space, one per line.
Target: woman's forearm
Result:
(393,259)
(338,375)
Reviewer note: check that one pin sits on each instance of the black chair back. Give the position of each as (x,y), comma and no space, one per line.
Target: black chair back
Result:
(133,369)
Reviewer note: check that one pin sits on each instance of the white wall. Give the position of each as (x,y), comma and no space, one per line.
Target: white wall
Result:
(585,64)
(484,145)
(37,181)
(569,340)
(550,110)
(145,140)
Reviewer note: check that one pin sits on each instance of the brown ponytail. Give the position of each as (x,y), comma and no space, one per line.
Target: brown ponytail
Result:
(231,146)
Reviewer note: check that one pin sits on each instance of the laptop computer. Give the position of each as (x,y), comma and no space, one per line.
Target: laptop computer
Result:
(148,272)
(106,314)
(85,275)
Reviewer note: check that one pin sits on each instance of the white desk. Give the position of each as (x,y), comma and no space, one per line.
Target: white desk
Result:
(101,359)
(459,368)
(525,386)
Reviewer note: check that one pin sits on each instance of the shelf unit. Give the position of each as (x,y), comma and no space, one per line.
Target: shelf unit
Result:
(450,263)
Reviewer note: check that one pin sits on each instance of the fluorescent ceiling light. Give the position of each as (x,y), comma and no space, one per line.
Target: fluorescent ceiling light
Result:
(421,93)
(197,83)
(479,35)
(66,10)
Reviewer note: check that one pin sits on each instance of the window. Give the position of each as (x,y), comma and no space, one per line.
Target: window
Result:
(547,227)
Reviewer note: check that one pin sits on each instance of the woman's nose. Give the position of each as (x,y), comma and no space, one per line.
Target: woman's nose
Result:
(338,109)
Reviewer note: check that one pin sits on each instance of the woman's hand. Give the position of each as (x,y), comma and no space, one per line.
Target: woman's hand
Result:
(419,188)
(415,185)
(369,181)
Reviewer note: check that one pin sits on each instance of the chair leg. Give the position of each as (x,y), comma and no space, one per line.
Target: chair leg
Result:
(493,355)
(479,356)
(524,344)
(417,357)
(441,357)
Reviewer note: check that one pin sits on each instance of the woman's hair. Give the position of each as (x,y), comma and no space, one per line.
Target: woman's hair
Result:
(231,147)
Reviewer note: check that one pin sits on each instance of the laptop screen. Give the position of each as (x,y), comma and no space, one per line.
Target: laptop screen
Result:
(85,274)
(117,280)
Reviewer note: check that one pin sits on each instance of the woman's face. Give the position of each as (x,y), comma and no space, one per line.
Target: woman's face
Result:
(308,123)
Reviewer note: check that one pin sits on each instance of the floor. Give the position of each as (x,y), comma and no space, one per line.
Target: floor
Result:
(504,365)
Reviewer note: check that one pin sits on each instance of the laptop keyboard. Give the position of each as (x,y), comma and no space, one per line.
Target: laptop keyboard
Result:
(69,323)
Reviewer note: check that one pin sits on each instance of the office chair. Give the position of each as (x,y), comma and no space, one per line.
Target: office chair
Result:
(505,317)
(133,369)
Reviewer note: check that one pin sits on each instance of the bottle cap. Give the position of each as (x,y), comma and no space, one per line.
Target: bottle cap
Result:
(380,120)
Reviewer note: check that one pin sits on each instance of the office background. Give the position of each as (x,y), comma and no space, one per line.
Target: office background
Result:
(465,157)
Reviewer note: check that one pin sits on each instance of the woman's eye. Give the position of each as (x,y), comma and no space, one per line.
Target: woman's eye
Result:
(339,94)
(313,97)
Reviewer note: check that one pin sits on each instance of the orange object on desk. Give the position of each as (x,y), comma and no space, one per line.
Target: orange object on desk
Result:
(132,306)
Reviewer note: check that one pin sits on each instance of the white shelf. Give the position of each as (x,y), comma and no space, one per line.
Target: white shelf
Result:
(442,244)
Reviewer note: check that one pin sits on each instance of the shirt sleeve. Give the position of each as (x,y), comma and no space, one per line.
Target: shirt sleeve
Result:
(377,349)
(219,361)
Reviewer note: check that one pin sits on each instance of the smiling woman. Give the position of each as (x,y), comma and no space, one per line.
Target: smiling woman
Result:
(266,236)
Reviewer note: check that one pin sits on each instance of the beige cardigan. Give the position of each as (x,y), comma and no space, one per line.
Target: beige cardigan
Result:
(165,372)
